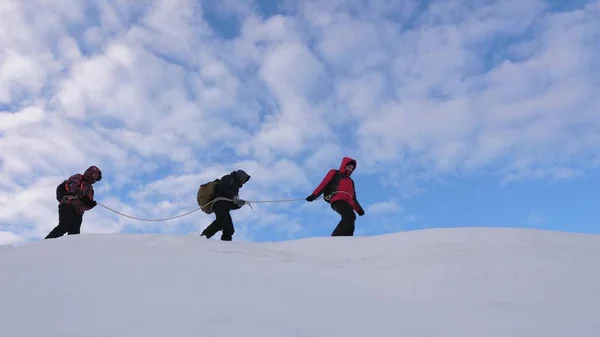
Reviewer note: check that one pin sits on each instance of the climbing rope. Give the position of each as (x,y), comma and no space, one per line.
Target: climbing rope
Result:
(142,219)
(249,203)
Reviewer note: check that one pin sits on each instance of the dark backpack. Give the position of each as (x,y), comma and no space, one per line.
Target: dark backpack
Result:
(330,187)
(61,190)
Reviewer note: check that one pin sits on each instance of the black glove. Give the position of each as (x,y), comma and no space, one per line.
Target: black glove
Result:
(311,198)
(361,212)
(87,202)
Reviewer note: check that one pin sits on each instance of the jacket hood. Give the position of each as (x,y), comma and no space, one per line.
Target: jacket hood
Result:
(347,161)
(87,175)
(242,176)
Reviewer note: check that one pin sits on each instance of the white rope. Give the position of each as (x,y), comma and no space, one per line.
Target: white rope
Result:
(249,203)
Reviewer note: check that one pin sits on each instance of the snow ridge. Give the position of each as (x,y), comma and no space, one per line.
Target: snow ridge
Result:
(466,282)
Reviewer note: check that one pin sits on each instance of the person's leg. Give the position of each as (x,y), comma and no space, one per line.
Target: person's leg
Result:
(221,211)
(212,229)
(66,215)
(75,224)
(228,228)
(346,225)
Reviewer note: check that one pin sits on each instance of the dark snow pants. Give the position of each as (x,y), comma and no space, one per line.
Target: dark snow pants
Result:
(68,222)
(222,222)
(346,226)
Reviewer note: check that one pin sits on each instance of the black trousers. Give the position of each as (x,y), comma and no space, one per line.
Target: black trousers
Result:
(223,221)
(346,225)
(68,222)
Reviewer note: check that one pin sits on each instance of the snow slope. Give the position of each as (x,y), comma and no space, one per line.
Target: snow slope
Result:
(433,283)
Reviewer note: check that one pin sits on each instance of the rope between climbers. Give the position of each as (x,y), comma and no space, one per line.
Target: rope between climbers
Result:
(249,203)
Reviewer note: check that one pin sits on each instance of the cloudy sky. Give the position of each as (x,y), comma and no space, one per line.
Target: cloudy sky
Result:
(459,113)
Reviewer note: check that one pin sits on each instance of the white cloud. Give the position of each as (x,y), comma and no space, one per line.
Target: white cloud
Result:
(154,96)
(384,207)
(29,115)
(323,156)
(9,238)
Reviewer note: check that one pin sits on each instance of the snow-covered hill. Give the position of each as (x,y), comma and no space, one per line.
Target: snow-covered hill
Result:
(433,283)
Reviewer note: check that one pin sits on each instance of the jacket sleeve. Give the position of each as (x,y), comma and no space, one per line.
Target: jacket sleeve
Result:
(357,206)
(317,192)
(226,187)
(88,199)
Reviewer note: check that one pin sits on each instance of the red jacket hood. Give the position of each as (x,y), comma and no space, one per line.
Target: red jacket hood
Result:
(346,161)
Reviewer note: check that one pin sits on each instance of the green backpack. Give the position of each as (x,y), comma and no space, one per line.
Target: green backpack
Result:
(206,194)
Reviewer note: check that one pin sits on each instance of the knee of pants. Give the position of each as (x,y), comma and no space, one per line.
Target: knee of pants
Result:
(350,216)
(222,215)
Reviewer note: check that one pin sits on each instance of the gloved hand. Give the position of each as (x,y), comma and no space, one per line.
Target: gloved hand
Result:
(238,201)
(88,203)
(311,198)
(361,212)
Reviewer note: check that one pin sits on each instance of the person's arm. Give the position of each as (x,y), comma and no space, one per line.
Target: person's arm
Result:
(357,207)
(317,192)
(88,199)
(227,188)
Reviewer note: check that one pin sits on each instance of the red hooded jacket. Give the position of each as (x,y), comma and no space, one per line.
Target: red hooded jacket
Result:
(343,184)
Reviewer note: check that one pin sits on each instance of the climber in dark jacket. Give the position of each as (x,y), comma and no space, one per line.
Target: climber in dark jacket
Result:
(229,188)
(344,200)
(78,199)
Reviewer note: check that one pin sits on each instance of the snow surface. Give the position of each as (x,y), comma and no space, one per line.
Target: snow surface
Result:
(433,283)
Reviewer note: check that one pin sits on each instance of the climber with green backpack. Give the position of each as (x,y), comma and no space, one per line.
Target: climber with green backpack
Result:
(207,197)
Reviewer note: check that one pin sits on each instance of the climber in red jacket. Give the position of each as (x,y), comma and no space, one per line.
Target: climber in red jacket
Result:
(338,189)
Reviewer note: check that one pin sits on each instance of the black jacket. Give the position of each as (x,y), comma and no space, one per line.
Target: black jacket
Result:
(230,184)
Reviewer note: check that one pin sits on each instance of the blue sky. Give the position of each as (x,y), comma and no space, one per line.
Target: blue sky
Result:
(460,113)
